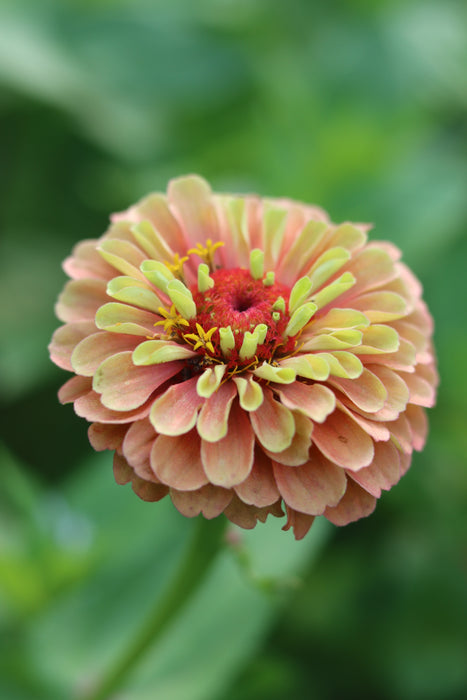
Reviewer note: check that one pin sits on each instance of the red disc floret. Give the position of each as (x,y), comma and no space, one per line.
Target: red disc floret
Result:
(242,302)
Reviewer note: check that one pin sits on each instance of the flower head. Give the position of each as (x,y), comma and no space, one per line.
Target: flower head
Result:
(246,355)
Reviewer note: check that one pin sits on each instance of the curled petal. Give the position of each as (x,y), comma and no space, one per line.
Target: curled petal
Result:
(209,500)
(228,461)
(97,347)
(343,442)
(314,400)
(383,472)
(214,415)
(311,487)
(176,461)
(80,300)
(106,437)
(297,452)
(355,504)
(273,424)
(259,488)
(123,386)
(176,410)
(65,339)
(299,522)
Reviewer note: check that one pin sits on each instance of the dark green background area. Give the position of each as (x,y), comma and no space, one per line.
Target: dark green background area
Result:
(360,107)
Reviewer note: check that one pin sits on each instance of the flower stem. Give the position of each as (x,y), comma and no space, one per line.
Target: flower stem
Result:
(206,542)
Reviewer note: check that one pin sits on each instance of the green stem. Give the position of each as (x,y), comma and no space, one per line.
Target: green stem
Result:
(206,542)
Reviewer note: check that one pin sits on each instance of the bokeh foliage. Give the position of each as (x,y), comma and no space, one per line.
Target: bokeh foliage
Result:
(358,106)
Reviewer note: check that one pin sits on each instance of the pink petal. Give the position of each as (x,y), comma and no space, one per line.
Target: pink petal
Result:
(342,441)
(400,430)
(422,393)
(397,392)
(123,473)
(273,423)
(176,410)
(376,430)
(89,406)
(148,491)
(314,400)
(259,488)
(312,486)
(80,300)
(95,348)
(138,443)
(366,392)
(299,522)
(74,389)
(65,339)
(372,268)
(418,425)
(383,472)
(155,208)
(123,386)
(209,500)
(247,516)
(228,461)
(213,417)
(191,198)
(176,461)
(85,262)
(355,504)
(106,437)
(297,452)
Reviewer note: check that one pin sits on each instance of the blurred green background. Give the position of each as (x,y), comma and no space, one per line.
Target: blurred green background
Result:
(357,106)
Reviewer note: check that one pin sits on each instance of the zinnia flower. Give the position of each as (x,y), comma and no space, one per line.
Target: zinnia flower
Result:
(246,355)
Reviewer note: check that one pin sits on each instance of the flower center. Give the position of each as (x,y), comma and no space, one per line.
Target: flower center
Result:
(241,309)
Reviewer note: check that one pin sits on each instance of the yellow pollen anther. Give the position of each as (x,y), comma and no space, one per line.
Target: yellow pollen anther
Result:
(176,267)
(206,252)
(172,320)
(202,339)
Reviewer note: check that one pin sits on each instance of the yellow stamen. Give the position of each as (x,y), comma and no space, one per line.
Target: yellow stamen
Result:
(176,267)
(206,252)
(202,339)
(172,320)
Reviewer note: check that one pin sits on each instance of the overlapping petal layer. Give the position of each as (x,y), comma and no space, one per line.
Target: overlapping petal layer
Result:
(247,356)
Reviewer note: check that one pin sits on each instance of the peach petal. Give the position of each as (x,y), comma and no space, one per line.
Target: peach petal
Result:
(228,461)
(372,268)
(85,262)
(138,443)
(347,236)
(74,389)
(402,359)
(418,425)
(342,441)
(123,386)
(299,522)
(383,472)
(311,487)
(367,392)
(297,452)
(106,437)
(301,252)
(65,339)
(397,392)
(259,488)
(90,407)
(376,430)
(123,256)
(176,461)
(123,473)
(381,306)
(155,208)
(401,433)
(176,410)
(422,393)
(122,318)
(209,500)
(191,198)
(214,415)
(80,300)
(314,400)
(97,347)
(273,424)
(149,491)
(246,516)
(355,504)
